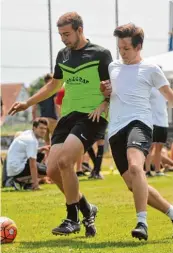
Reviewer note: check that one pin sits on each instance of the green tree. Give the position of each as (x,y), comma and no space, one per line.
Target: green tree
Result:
(36,85)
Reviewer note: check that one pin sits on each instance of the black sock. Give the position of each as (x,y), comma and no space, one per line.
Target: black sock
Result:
(99,158)
(92,155)
(73,212)
(84,206)
(86,164)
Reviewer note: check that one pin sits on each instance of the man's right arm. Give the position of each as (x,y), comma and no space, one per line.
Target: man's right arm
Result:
(45,92)
(34,173)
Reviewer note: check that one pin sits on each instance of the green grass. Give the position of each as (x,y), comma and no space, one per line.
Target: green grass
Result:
(36,213)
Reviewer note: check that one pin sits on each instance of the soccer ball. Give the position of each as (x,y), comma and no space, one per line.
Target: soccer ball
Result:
(8,230)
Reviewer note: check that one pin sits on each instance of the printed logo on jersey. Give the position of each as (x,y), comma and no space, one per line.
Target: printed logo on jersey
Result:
(65,57)
(77,80)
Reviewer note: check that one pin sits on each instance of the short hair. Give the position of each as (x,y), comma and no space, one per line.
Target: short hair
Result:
(72,18)
(132,31)
(38,121)
(47,77)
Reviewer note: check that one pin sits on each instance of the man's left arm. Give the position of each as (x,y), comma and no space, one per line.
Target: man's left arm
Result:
(167,92)
(105,60)
(161,83)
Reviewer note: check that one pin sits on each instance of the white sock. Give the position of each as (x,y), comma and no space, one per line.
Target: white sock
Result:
(169,213)
(142,217)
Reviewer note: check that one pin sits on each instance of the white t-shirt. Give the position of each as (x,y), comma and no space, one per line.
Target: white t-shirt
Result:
(23,147)
(131,88)
(159,108)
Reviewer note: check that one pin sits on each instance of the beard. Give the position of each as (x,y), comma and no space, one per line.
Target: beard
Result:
(76,44)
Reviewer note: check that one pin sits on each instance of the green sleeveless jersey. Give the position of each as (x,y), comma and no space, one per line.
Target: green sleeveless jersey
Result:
(82,70)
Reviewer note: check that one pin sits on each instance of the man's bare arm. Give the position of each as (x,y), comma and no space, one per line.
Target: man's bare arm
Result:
(167,92)
(45,92)
(34,173)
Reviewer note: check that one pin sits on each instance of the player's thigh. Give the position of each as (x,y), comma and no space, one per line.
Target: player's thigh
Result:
(139,141)
(71,150)
(118,145)
(89,132)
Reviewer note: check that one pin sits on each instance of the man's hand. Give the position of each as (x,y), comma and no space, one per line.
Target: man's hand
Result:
(44,148)
(35,187)
(95,115)
(17,107)
(106,88)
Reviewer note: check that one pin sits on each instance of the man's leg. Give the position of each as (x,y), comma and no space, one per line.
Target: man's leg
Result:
(157,159)
(99,158)
(67,182)
(136,161)
(148,161)
(155,199)
(54,172)
(71,151)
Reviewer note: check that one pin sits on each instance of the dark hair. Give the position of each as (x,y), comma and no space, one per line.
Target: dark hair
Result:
(38,121)
(132,31)
(48,77)
(72,18)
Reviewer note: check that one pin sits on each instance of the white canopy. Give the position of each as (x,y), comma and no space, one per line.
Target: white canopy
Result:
(165,61)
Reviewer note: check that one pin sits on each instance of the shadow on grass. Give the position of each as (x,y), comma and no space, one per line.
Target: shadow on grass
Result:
(75,243)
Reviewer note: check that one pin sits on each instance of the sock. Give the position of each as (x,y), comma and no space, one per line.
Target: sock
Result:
(73,212)
(142,217)
(92,155)
(99,159)
(169,213)
(86,164)
(84,206)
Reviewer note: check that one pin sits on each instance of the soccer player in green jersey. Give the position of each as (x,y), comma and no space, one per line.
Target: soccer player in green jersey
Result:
(81,66)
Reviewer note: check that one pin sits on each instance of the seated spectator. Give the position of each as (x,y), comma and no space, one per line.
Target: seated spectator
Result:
(23,159)
(167,162)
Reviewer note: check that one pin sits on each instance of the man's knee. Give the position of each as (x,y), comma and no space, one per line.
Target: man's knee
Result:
(64,163)
(135,169)
(51,169)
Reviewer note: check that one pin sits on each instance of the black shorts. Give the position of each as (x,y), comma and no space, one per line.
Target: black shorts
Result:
(41,168)
(160,134)
(136,134)
(80,125)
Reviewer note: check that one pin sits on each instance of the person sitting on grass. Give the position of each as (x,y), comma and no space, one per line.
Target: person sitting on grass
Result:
(24,157)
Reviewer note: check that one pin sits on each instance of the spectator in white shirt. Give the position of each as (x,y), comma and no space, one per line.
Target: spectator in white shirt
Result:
(22,155)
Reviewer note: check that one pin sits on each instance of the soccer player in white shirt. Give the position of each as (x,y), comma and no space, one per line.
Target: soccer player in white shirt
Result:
(160,131)
(130,126)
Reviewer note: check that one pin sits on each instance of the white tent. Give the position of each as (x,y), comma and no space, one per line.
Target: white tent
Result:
(165,61)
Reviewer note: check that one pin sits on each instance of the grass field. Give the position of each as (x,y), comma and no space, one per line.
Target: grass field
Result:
(11,129)
(36,213)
